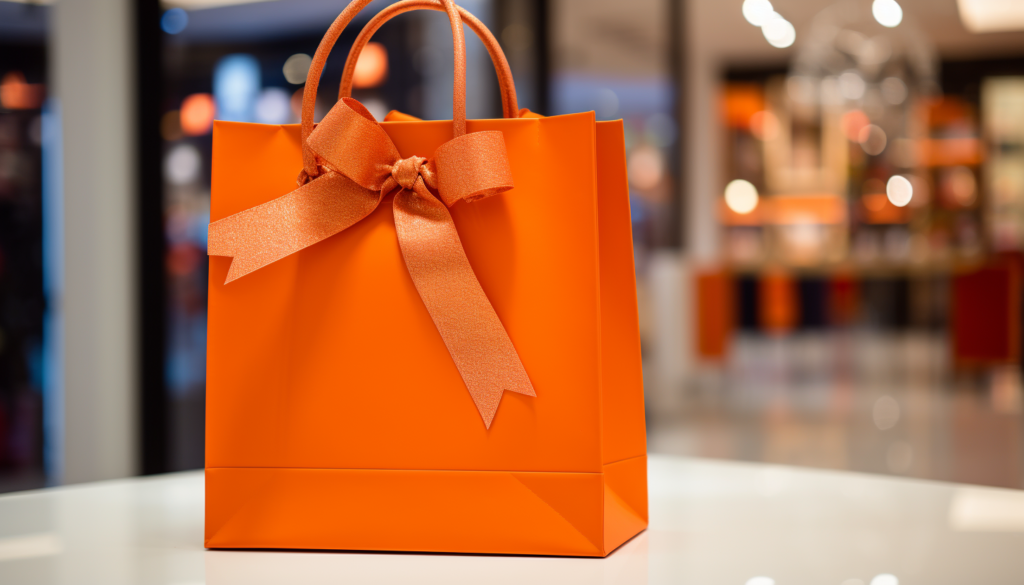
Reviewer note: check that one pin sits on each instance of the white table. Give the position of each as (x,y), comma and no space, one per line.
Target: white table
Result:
(712,522)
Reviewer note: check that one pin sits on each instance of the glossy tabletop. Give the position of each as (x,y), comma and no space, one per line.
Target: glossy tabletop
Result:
(712,522)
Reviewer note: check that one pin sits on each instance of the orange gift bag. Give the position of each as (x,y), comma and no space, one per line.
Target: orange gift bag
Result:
(430,342)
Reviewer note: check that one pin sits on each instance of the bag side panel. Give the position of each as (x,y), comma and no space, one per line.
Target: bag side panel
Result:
(625,501)
(623,431)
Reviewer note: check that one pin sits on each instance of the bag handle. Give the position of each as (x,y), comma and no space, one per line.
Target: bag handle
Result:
(316,68)
(509,103)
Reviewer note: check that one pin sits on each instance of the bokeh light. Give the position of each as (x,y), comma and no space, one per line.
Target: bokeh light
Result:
(174,21)
(851,85)
(236,84)
(371,67)
(887,12)
(741,196)
(758,12)
(646,167)
(885,579)
(779,33)
(182,164)
(296,67)
(899,190)
(872,139)
(16,94)
(273,106)
(197,113)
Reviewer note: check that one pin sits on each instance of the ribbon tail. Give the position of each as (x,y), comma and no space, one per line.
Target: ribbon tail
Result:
(475,337)
(266,233)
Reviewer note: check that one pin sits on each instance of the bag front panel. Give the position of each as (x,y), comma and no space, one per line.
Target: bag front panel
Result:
(328,358)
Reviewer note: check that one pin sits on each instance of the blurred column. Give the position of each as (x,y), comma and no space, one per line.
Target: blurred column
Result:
(522,30)
(91,65)
(702,144)
(671,333)
(669,271)
(700,178)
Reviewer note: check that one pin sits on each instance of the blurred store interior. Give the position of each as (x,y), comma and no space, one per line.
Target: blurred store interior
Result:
(827,202)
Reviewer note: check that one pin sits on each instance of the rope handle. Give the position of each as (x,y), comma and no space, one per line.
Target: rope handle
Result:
(509,103)
(316,68)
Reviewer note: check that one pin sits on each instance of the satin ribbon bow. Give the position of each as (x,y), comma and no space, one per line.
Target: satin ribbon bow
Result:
(359,165)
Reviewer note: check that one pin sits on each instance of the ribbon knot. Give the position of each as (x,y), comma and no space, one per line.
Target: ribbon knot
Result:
(359,166)
(407,170)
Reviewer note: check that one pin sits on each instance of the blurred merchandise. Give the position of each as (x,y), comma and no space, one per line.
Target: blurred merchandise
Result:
(1002,106)
(863,171)
(986,313)
(871,221)
(714,310)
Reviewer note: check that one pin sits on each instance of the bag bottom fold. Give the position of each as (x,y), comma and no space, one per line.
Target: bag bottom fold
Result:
(488,512)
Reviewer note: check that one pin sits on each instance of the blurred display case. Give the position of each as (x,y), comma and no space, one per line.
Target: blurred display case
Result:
(860,180)
(22,296)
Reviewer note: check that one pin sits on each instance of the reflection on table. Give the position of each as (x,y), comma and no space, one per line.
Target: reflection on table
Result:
(711,522)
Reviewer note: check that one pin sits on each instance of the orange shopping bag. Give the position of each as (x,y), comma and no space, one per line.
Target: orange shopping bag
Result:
(430,344)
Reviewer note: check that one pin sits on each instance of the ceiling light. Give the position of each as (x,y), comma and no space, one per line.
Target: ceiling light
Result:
(741,196)
(894,90)
(197,114)
(872,139)
(983,509)
(646,167)
(273,106)
(887,12)
(296,68)
(371,66)
(182,164)
(981,16)
(899,190)
(758,12)
(779,33)
(174,21)
(851,85)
